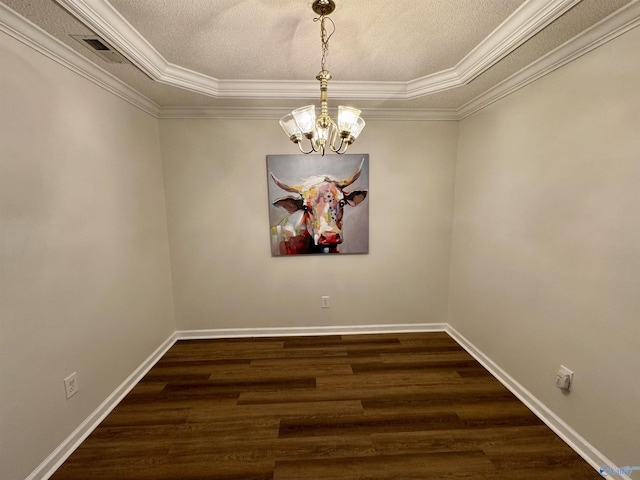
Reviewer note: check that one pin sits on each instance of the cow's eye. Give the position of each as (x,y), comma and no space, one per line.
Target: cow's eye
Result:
(305,208)
(342,203)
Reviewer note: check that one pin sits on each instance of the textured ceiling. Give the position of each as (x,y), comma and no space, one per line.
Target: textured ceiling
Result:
(278,39)
(382,42)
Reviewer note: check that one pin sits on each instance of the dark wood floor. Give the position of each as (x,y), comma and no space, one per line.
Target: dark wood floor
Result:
(374,407)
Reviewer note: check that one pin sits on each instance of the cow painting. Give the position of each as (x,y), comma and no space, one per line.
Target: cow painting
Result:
(314,210)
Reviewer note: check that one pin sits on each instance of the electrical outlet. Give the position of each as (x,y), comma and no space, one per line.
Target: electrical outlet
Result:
(71,385)
(564,378)
(324,301)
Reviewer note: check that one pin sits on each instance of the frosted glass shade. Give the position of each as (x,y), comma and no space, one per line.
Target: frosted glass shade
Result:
(347,118)
(289,125)
(357,128)
(305,118)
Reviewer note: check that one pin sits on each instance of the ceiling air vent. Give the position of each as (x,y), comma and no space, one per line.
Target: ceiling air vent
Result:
(101,48)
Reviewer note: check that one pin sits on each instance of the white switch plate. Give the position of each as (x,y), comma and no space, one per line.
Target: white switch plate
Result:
(324,301)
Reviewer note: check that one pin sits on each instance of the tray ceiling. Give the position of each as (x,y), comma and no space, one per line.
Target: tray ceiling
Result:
(385,54)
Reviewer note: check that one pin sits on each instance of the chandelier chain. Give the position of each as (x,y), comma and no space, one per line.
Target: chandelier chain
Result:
(324,37)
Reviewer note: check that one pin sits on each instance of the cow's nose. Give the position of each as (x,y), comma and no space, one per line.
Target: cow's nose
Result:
(330,239)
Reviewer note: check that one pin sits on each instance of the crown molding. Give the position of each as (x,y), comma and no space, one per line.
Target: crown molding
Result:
(602,32)
(31,35)
(526,21)
(240,113)
(21,29)
(268,113)
(607,29)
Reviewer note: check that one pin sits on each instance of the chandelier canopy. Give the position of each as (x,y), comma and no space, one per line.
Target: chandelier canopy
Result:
(322,131)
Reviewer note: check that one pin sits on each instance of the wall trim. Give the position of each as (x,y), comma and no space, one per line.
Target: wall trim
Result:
(273,113)
(578,443)
(572,438)
(73,441)
(299,331)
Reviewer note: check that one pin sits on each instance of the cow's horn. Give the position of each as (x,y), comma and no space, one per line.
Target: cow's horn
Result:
(284,186)
(352,178)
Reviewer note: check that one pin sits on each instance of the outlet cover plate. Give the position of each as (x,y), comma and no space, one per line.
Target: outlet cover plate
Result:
(324,301)
(71,386)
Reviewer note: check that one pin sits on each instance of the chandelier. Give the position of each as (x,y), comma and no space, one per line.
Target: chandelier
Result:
(323,132)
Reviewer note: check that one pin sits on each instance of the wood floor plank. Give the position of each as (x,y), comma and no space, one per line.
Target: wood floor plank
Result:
(354,407)
(270,449)
(365,393)
(388,467)
(278,410)
(367,424)
(462,439)
(340,342)
(141,415)
(161,468)
(287,370)
(384,379)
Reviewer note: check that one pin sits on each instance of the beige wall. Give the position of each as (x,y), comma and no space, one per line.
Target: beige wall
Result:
(546,244)
(544,264)
(224,275)
(84,262)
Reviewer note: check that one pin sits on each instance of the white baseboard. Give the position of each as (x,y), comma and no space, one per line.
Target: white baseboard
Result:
(73,441)
(587,451)
(572,438)
(298,331)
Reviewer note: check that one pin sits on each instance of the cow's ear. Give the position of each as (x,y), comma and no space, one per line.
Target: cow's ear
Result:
(354,198)
(290,204)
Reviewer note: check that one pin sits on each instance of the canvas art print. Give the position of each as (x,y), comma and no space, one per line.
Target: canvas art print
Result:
(318,204)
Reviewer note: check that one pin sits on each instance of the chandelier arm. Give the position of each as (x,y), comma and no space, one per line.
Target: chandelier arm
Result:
(301,149)
(316,146)
(320,148)
(339,150)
